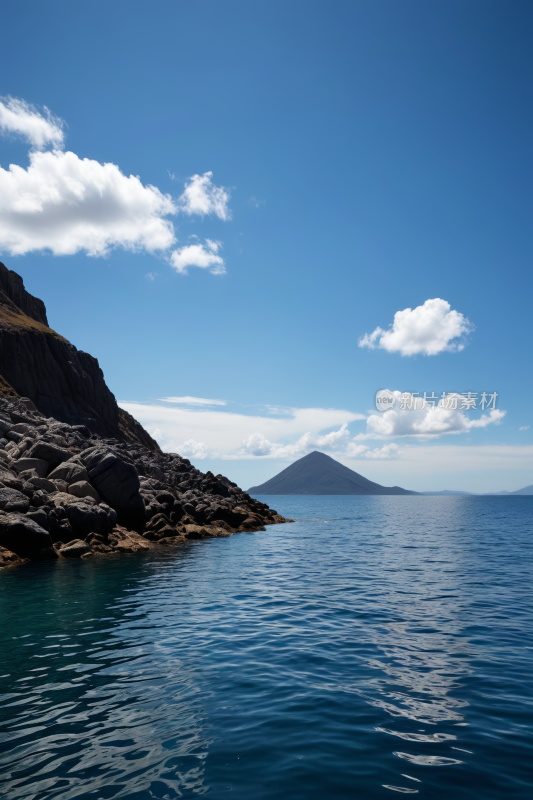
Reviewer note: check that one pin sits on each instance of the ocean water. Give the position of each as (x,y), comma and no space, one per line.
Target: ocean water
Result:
(378,645)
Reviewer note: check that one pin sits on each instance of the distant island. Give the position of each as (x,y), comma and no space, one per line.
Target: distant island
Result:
(318,473)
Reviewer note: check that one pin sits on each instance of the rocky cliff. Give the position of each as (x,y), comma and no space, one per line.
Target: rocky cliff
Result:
(80,477)
(69,493)
(62,382)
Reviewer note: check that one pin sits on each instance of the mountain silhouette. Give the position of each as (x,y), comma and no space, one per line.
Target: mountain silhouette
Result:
(318,473)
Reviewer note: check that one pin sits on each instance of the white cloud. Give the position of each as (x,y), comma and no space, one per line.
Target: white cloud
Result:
(524,428)
(193,401)
(448,460)
(257,445)
(40,128)
(151,275)
(201,196)
(427,329)
(426,423)
(66,204)
(194,449)
(199,255)
(286,435)
(388,451)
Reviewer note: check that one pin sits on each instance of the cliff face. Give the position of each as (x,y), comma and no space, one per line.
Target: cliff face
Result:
(63,382)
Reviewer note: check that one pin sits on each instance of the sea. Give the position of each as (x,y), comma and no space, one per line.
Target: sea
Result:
(376,646)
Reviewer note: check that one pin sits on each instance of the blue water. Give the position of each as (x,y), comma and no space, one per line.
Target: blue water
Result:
(378,645)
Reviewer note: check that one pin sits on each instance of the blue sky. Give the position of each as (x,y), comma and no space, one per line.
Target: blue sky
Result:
(365,158)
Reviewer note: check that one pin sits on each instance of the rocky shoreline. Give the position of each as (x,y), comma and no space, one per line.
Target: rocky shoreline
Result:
(68,493)
(79,476)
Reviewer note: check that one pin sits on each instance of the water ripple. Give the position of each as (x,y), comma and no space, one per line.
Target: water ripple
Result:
(271,665)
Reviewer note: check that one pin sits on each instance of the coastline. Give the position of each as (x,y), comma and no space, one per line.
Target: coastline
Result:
(68,493)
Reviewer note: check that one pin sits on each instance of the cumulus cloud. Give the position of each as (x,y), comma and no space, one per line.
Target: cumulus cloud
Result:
(524,428)
(40,128)
(199,255)
(193,401)
(201,196)
(67,204)
(258,445)
(388,451)
(289,434)
(194,449)
(426,423)
(428,329)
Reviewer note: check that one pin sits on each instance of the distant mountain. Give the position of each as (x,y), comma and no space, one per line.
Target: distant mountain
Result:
(318,473)
(446,493)
(525,491)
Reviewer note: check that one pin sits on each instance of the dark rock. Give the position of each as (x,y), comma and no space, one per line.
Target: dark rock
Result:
(12,500)
(82,429)
(39,498)
(39,516)
(83,489)
(25,537)
(42,483)
(51,453)
(118,484)
(70,471)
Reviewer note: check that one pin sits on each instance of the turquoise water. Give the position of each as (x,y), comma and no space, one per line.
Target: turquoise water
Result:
(378,645)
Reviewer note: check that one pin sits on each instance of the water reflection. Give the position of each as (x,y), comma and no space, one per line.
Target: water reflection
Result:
(125,719)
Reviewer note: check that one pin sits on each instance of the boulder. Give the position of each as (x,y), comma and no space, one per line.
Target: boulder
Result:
(51,453)
(27,474)
(83,489)
(44,484)
(85,516)
(9,559)
(75,549)
(126,541)
(13,500)
(61,486)
(117,483)
(38,464)
(71,471)
(39,516)
(25,537)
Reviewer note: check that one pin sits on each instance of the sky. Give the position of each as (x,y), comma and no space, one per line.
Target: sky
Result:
(258,215)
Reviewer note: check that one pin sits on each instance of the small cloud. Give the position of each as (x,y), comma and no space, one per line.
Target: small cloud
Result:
(524,428)
(201,196)
(428,329)
(388,451)
(253,201)
(38,127)
(199,255)
(193,401)
(151,275)
(197,450)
